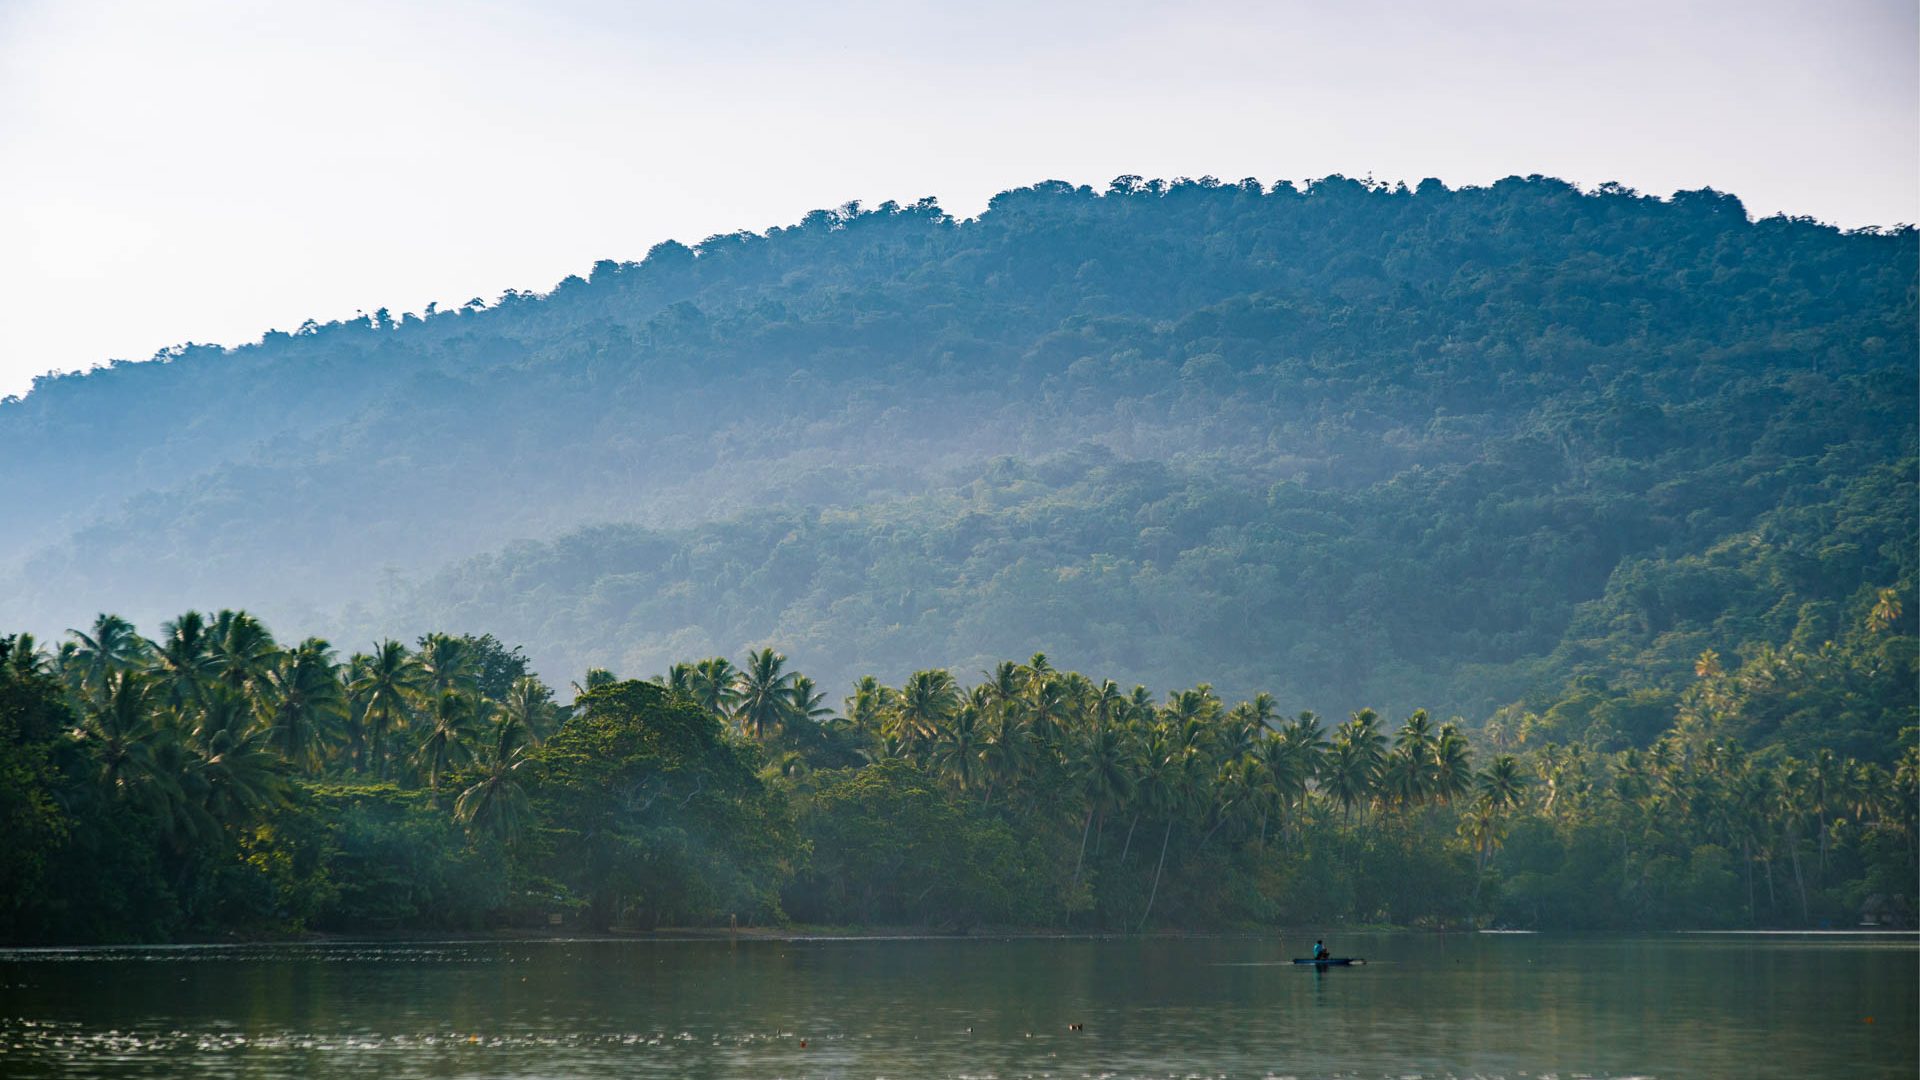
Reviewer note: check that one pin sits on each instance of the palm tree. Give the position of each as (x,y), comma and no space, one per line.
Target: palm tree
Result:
(1347,774)
(304,702)
(241,776)
(23,656)
(111,648)
(868,706)
(596,678)
(1282,775)
(240,651)
(1452,764)
(1103,766)
(957,747)
(1502,785)
(497,803)
(1167,787)
(714,683)
(448,664)
(923,704)
(529,703)
(451,720)
(807,702)
(118,721)
(761,696)
(384,684)
(184,658)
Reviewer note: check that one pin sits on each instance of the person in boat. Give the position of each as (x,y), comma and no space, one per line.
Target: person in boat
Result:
(1320,951)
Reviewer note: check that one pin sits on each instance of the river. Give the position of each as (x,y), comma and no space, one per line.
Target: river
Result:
(1463,1005)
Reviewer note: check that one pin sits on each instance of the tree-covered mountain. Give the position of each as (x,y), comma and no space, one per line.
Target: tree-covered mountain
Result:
(1349,442)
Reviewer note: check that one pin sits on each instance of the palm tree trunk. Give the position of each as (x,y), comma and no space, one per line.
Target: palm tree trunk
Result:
(1155,891)
(1747,855)
(1084,830)
(1799,881)
(1128,846)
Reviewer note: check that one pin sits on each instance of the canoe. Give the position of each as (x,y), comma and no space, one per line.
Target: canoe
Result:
(1333,961)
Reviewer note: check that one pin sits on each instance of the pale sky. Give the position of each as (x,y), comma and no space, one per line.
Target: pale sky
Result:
(206,170)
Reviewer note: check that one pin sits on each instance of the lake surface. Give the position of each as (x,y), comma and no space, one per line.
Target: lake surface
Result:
(1664,1006)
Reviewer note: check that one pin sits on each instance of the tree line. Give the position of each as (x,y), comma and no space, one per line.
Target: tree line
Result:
(211,780)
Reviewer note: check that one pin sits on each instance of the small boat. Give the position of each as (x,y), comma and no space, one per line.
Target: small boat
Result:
(1333,961)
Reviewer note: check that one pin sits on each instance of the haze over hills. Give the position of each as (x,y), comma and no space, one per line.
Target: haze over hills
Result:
(1350,443)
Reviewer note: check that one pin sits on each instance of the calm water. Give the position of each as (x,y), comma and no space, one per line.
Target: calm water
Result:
(1428,1006)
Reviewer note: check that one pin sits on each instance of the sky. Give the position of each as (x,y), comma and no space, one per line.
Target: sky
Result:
(205,170)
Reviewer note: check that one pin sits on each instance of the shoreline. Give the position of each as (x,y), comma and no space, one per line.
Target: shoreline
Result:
(802,934)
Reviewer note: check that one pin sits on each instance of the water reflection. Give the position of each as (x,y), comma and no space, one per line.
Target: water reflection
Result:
(1464,1005)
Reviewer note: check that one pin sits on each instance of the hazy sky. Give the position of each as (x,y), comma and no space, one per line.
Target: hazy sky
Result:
(174,171)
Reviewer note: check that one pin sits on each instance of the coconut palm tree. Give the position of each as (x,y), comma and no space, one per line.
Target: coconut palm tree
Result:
(1452,764)
(1347,774)
(957,746)
(112,646)
(869,705)
(497,802)
(762,690)
(118,721)
(449,724)
(1103,766)
(924,703)
(715,684)
(448,664)
(304,703)
(241,651)
(384,685)
(183,658)
(596,678)
(529,703)
(23,656)
(808,702)
(241,776)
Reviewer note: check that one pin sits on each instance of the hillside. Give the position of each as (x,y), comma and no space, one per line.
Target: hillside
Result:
(1346,442)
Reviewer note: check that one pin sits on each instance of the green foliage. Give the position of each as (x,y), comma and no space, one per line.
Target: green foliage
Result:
(652,814)
(1346,442)
(891,847)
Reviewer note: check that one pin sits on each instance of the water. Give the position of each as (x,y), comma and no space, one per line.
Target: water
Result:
(1664,1007)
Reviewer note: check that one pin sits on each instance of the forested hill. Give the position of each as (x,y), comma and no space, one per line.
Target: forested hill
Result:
(1348,442)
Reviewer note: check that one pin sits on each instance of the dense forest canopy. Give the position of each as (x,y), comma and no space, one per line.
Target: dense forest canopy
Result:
(1348,442)
(212,780)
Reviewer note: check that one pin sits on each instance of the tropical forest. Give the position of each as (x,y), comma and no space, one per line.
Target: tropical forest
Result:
(1178,555)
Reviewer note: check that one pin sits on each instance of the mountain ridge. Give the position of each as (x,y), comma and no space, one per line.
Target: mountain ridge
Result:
(1540,349)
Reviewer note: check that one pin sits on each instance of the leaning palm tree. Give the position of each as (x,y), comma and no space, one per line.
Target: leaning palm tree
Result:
(384,685)
(497,803)
(761,689)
